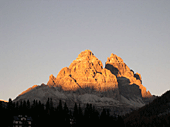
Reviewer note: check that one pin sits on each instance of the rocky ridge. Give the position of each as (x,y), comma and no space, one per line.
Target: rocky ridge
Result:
(86,81)
(125,75)
(85,71)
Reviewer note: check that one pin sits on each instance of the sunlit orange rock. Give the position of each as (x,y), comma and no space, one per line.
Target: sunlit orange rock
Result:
(86,81)
(85,71)
(29,89)
(3,100)
(116,65)
(88,71)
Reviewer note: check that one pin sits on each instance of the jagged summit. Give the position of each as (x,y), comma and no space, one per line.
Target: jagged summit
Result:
(86,81)
(86,71)
(116,65)
(114,59)
(87,54)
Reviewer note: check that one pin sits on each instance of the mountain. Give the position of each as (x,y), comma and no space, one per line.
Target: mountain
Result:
(4,101)
(156,113)
(86,81)
(125,76)
(85,71)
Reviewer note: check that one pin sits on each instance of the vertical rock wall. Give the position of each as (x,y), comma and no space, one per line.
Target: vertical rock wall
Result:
(88,71)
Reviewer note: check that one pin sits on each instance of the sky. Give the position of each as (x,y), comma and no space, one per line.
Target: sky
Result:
(39,38)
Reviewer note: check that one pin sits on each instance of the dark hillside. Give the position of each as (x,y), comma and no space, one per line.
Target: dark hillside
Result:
(155,113)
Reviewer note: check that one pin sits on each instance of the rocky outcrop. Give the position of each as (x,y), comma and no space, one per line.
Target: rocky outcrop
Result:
(88,71)
(116,65)
(86,81)
(85,71)
(29,89)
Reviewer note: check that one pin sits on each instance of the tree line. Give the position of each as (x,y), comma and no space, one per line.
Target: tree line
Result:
(47,115)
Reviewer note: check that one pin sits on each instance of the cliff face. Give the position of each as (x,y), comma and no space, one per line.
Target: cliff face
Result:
(126,77)
(88,71)
(85,71)
(86,81)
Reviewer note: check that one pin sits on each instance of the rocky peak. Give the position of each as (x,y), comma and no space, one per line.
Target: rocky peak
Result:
(116,65)
(114,59)
(86,60)
(86,81)
(87,54)
(86,71)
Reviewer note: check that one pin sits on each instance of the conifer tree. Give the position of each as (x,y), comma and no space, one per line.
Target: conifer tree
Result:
(9,105)
(28,104)
(59,107)
(66,115)
(48,104)
(75,112)
(51,104)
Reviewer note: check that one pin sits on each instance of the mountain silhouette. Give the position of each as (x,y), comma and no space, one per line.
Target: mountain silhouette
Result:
(86,81)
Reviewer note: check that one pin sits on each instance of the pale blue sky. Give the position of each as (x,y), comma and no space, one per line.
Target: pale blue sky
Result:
(40,37)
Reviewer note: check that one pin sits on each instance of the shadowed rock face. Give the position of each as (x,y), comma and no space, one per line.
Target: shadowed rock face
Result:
(86,81)
(116,65)
(85,71)
(128,91)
